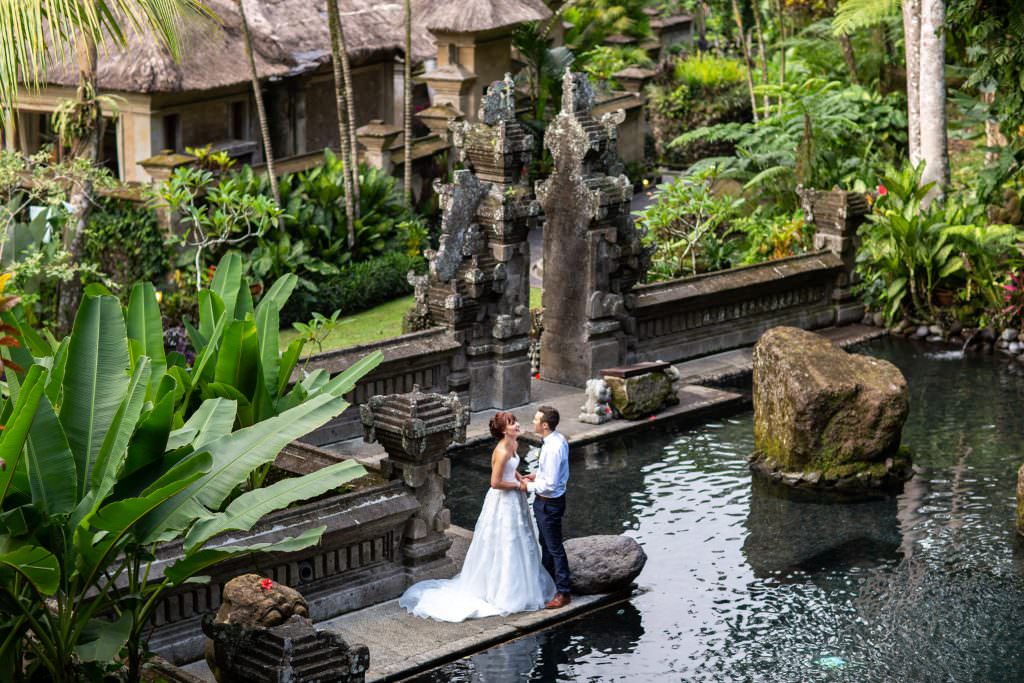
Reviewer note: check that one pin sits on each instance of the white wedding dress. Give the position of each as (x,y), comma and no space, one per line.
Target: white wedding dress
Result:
(502,573)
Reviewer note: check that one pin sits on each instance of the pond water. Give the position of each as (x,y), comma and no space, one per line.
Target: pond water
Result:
(744,584)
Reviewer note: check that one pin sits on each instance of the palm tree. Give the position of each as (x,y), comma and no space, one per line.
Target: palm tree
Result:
(341,97)
(39,33)
(261,112)
(407,98)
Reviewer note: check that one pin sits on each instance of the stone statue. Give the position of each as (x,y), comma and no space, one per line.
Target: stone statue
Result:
(262,634)
(597,409)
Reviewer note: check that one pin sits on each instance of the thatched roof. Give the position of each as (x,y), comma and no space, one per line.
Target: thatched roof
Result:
(471,16)
(289,37)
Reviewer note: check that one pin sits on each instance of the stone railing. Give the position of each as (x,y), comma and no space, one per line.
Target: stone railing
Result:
(357,563)
(380,538)
(430,359)
(696,316)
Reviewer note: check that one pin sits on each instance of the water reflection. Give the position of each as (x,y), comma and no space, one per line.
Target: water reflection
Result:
(793,534)
(743,584)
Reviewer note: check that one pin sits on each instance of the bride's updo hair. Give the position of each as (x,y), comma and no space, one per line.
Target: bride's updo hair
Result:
(499,423)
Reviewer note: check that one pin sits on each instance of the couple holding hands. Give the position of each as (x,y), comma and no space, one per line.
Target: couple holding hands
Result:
(504,573)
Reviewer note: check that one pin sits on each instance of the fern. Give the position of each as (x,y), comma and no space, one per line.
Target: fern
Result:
(857,14)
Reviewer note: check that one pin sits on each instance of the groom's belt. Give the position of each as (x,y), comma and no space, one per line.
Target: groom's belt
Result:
(550,497)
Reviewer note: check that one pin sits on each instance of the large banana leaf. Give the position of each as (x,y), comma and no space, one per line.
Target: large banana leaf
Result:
(344,382)
(102,640)
(268,324)
(115,447)
(190,565)
(50,463)
(227,281)
(214,418)
(16,431)
(235,456)
(36,565)
(238,358)
(95,380)
(277,296)
(144,327)
(250,507)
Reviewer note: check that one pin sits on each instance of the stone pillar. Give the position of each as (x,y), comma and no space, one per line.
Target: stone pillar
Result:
(453,86)
(416,429)
(592,251)
(836,216)
(378,138)
(478,286)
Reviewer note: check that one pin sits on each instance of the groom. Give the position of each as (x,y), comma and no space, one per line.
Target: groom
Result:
(548,483)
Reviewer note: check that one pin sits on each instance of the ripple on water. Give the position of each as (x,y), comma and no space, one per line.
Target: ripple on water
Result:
(743,583)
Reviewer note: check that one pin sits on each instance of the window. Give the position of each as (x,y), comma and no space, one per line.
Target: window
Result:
(172,132)
(238,122)
(453,54)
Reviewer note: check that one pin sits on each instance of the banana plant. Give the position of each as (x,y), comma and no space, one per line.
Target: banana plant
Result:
(237,352)
(97,473)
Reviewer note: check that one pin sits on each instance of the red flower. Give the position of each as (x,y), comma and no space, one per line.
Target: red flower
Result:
(882,190)
(537,376)
(651,417)
(266,584)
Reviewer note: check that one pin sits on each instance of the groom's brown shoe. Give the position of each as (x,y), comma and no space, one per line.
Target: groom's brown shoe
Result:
(560,600)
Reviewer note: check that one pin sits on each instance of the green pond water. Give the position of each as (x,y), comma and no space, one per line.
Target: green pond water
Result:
(745,584)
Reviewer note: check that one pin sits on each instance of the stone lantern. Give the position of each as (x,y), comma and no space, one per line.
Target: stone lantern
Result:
(416,429)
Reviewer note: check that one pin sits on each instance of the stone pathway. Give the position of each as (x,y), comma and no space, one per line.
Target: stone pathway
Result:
(696,401)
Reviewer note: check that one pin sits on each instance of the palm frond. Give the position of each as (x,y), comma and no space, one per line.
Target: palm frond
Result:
(35,34)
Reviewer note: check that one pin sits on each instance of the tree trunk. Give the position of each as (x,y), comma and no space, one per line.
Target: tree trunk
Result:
(261,112)
(746,56)
(407,99)
(346,71)
(851,62)
(87,146)
(912,45)
(334,28)
(932,93)
(782,45)
(756,8)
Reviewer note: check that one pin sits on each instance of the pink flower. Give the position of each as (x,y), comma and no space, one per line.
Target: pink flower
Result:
(882,190)
(266,584)
(651,417)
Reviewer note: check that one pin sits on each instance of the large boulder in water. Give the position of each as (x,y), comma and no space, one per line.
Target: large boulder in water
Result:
(602,564)
(825,418)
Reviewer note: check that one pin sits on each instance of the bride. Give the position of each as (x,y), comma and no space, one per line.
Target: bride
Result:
(502,573)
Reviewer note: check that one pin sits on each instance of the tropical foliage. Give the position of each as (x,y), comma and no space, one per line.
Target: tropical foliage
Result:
(100,468)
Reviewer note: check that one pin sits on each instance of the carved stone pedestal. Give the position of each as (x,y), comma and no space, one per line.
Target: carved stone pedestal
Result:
(416,429)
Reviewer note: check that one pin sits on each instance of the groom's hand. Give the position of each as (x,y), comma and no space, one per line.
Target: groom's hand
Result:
(530,477)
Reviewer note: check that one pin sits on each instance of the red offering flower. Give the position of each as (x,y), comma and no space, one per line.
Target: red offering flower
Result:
(882,190)
(266,584)
(537,376)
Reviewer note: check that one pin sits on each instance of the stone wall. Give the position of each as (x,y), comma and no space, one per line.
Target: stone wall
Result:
(696,316)
(359,562)
(431,359)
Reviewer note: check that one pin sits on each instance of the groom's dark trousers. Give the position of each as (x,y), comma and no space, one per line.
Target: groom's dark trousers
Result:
(549,513)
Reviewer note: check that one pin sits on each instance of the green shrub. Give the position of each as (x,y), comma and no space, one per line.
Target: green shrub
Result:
(124,240)
(703,90)
(707,72)
(358,286)
(602,62)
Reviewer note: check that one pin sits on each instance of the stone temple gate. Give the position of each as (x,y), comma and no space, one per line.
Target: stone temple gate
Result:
(478,284)
(592,251)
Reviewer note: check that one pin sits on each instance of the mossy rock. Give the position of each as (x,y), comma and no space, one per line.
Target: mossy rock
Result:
(823,414)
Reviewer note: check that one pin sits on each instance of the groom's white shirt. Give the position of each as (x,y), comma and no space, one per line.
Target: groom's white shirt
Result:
(553,469)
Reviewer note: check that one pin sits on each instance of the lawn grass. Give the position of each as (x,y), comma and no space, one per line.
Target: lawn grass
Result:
(380,322)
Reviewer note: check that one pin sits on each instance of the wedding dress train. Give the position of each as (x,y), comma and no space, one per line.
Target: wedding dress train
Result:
(502,573)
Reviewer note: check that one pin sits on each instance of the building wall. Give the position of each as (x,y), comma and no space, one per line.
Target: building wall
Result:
(374,86)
